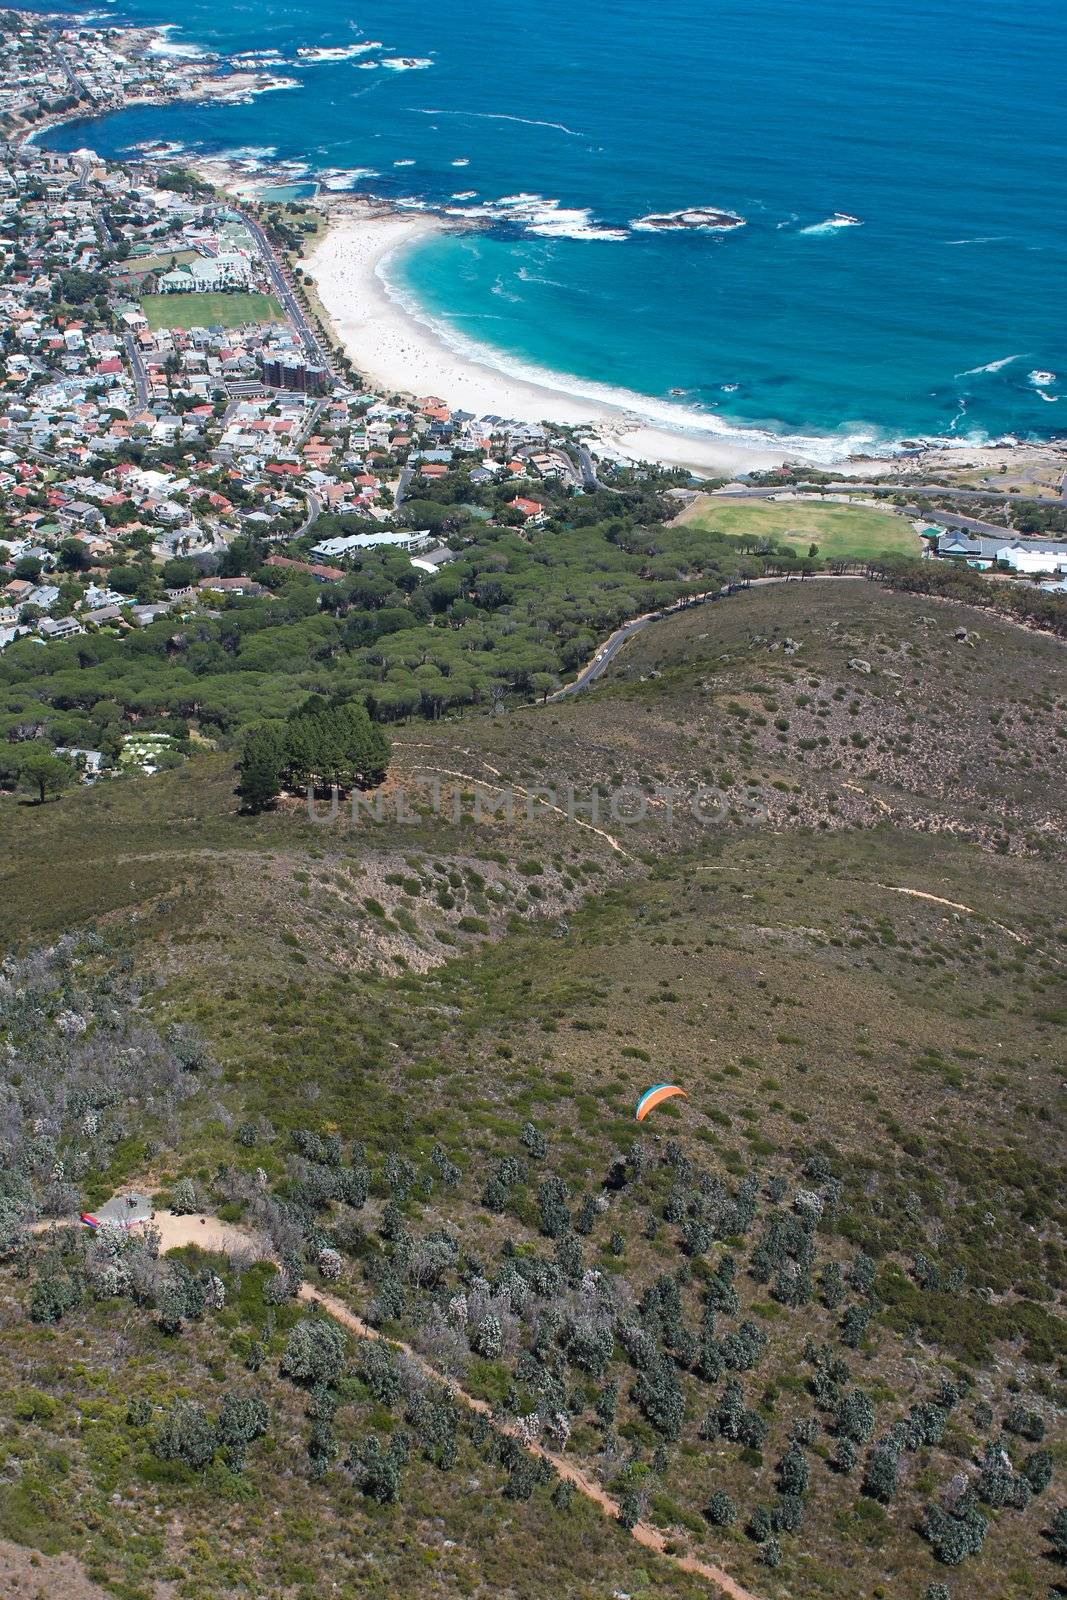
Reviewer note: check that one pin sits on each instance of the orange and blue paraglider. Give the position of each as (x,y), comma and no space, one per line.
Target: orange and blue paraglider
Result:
(655,1097)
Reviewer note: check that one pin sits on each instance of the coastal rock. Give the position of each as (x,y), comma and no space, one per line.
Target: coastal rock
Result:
(701,219)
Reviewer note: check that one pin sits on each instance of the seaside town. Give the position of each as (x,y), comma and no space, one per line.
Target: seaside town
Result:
(178,428)
(532,978)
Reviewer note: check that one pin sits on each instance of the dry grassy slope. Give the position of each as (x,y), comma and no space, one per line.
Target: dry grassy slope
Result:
(779,972)
(27,1575)
(941,734)
(945,737)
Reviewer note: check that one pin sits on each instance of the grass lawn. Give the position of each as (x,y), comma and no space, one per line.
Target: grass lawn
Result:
(209,310)
(157,263)
(841,532)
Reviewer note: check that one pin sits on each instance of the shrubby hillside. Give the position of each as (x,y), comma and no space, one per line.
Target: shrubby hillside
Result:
(804,1327)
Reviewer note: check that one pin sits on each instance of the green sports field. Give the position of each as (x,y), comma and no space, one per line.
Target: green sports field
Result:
(841,531)
(209,310)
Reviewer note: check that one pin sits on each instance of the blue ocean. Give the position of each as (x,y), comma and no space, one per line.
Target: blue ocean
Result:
(900,168)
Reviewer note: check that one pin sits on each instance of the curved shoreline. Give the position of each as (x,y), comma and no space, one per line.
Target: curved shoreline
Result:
(405,351)
(402,347)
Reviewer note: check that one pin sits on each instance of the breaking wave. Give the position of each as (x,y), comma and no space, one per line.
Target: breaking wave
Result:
(834,224)
(990,366)
(635,410)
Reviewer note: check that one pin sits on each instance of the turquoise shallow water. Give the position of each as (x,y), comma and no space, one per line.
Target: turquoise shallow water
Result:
(941,126)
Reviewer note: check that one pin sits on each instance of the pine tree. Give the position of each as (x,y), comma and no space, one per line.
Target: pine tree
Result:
(364,747)
(260,767)
(300,753)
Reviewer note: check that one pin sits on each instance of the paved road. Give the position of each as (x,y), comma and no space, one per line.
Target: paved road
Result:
(950,519)
(309,423)
(140,376)
(314,505)
(283,289)
(615,641)
(402,486)
(590,481)
(995,530)
(101,221)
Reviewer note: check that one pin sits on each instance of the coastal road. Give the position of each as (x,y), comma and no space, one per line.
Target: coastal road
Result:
(590,481)
(615,641)
(992,530)
(283,288)
(140,376)
(950,519)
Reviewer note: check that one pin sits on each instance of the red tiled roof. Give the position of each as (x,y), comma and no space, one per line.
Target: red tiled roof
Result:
(317,570)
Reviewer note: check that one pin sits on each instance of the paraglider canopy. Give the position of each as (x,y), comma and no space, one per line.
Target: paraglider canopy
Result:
(655,1096)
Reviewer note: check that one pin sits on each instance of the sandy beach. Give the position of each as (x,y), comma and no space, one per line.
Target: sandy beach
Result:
(399,353)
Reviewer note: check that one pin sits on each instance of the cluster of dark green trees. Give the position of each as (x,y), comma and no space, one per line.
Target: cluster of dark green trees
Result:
(324,743)
(950,580)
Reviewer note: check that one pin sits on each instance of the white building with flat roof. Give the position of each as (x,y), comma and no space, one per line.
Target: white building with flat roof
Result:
(350,544)
(1034,557)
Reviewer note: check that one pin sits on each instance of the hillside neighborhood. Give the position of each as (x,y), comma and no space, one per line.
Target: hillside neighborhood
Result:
(178,432)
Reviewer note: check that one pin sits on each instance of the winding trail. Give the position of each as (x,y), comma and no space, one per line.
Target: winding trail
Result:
(210,1234)
(954,905)
(536,795)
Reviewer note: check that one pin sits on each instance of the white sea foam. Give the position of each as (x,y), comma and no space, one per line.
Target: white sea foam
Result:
(834,224)
(539,217)
(990,366)
(249,60)
(985,238)
(1041,379)
(502,116)
(406,63)
(245,97)
(406,163)
(574,224)
(339,52)
(162,45)
(337,179)
(249,152)
(369,66)
(461,161)
(1050,399)
(642,409)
